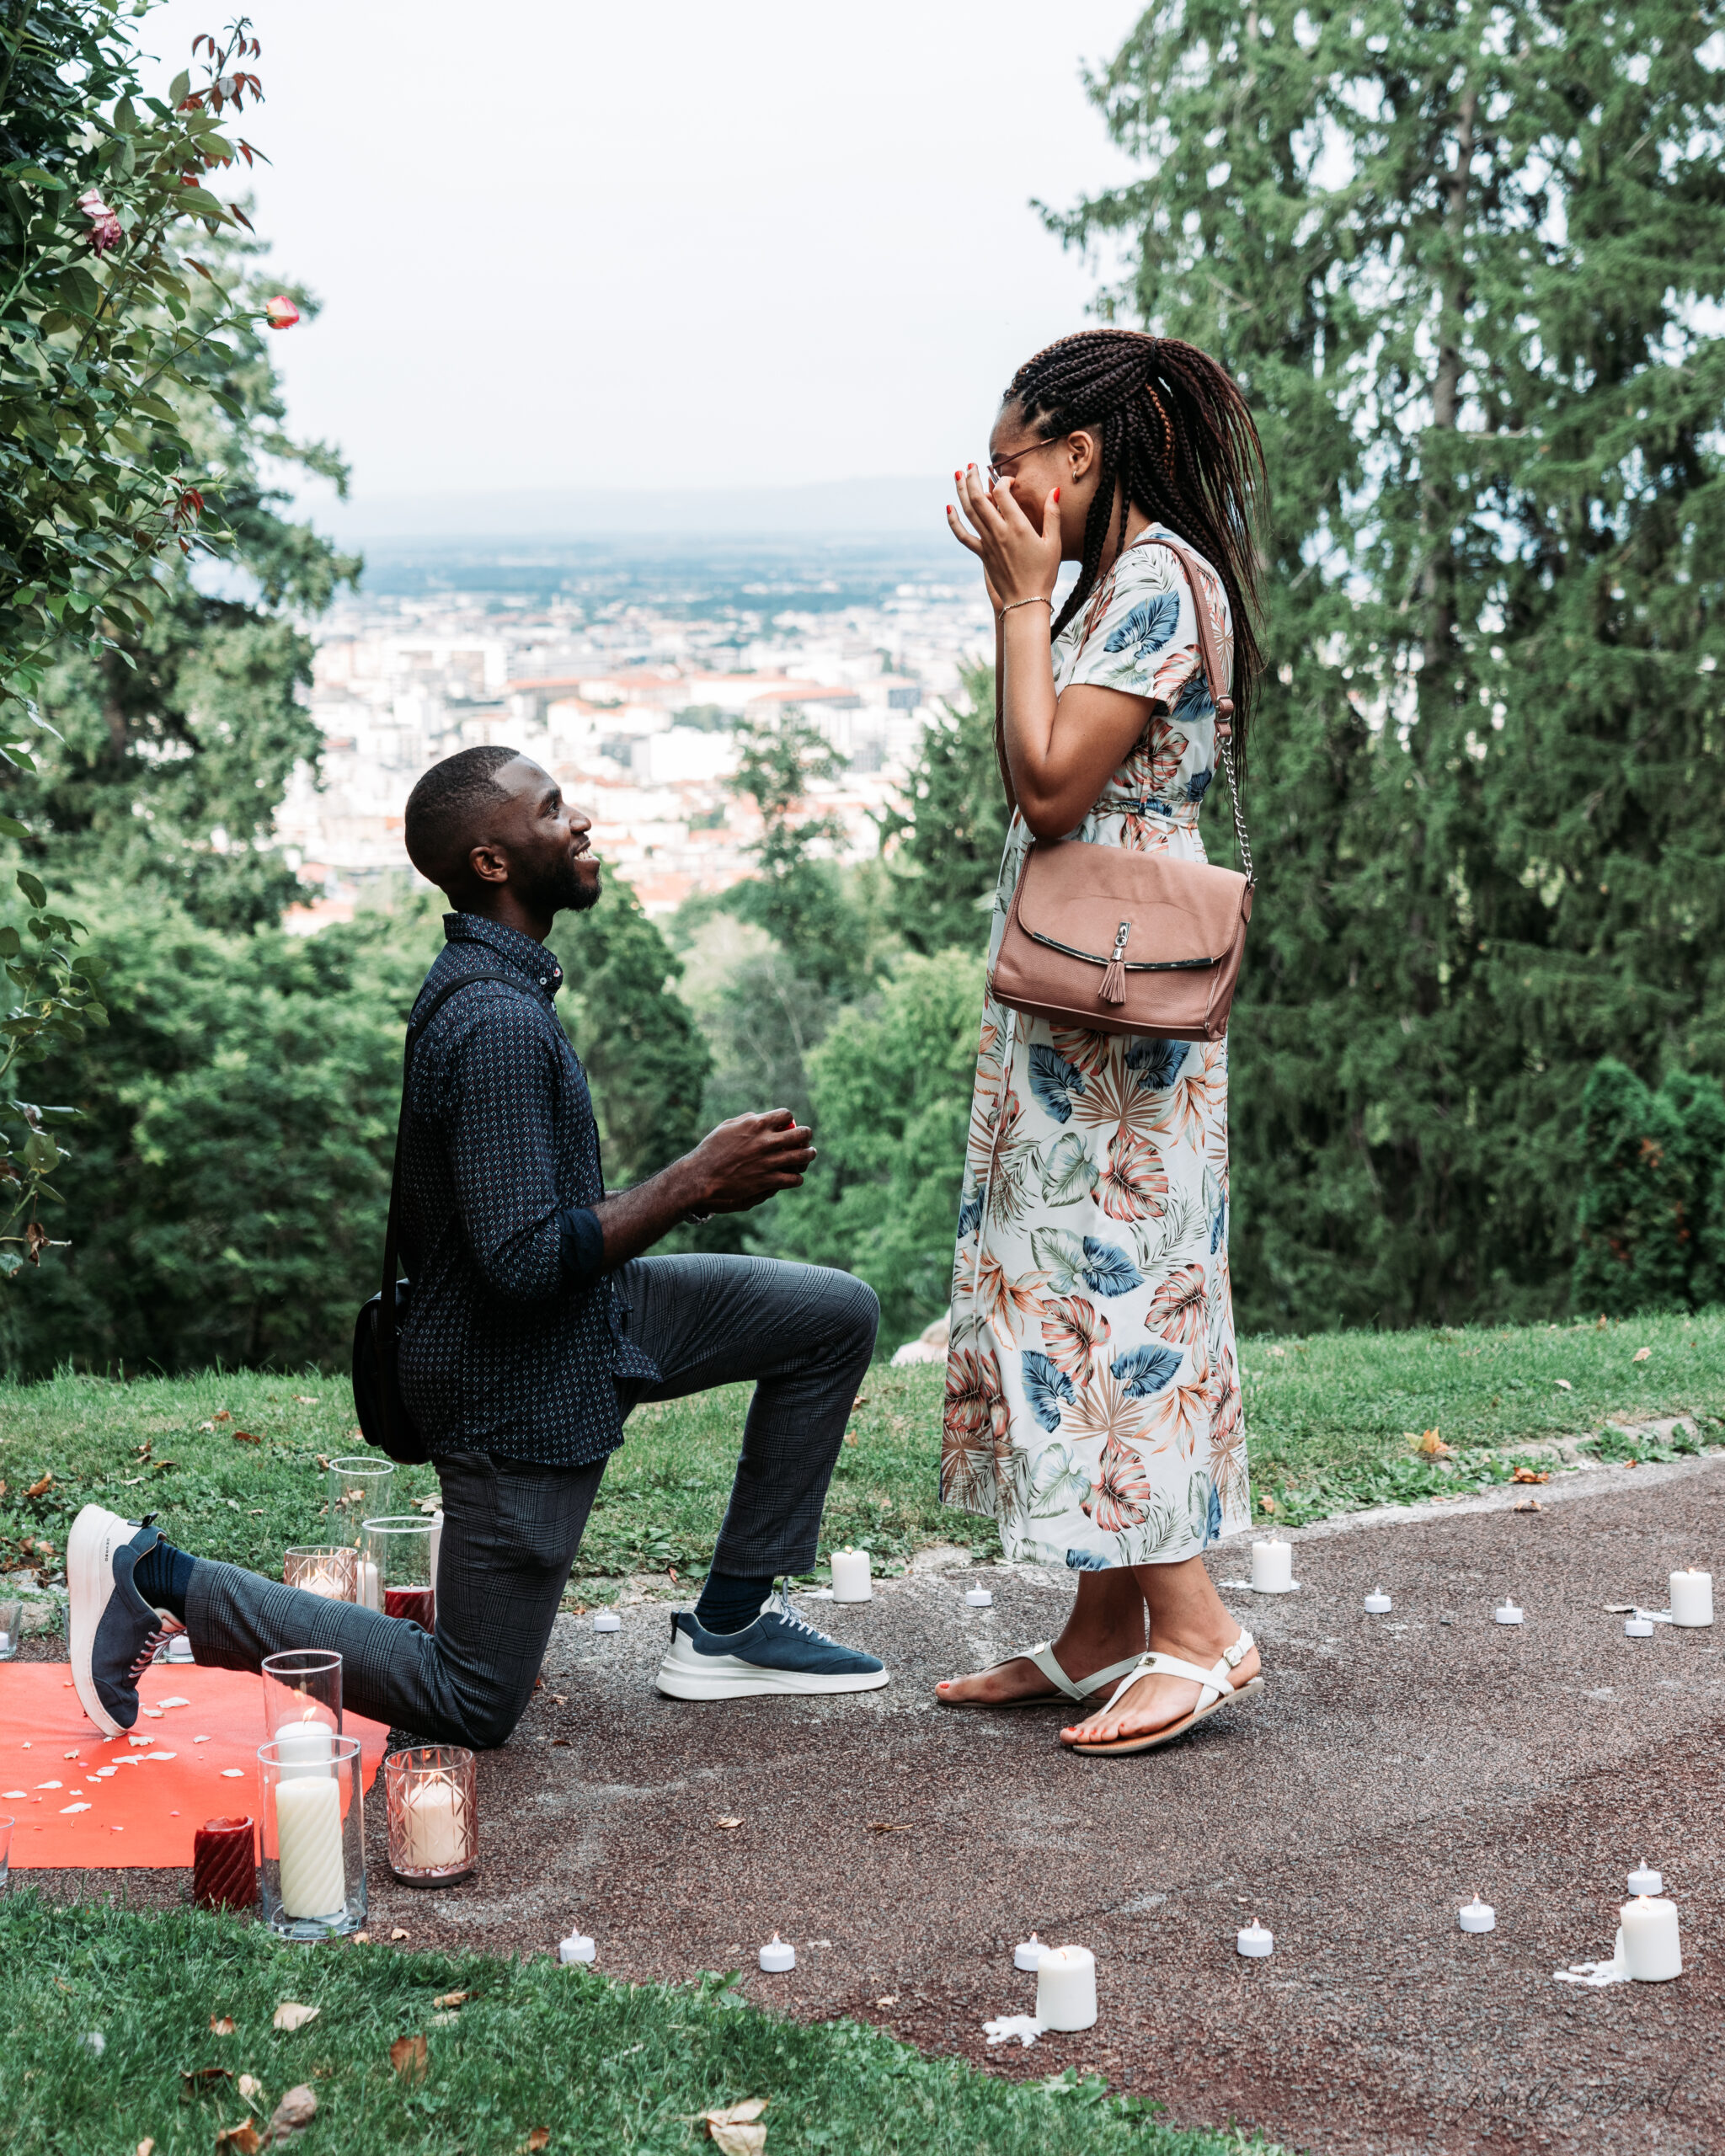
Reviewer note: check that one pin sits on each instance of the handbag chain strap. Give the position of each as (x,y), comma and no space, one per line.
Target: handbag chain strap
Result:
(1217,680)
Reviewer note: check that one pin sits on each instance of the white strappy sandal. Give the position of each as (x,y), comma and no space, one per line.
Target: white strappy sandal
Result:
(1066,1688)
(1216,1689)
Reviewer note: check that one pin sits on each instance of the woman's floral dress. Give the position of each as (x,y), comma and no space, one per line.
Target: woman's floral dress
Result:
(1092,1399)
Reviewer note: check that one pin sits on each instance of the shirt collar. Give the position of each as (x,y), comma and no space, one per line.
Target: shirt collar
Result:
(533,958)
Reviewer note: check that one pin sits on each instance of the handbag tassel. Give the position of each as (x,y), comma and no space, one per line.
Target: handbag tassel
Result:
(1113,979)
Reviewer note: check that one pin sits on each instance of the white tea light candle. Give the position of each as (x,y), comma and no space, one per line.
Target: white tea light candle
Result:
(1273,1566)
(1638,1627)
(1027,1953)
(1065,1988)
(1644,1880)
(978,1598)
(1255,1941)
(309,1835)
(577,1947)
(776,1956)
(851,1579)
(1378,1604)
(607,1621)
(1477,1915)
(1691,1597)
(1651,1952)
(1507,1613)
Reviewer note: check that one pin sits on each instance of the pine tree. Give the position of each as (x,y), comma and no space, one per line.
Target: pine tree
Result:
(1456,257)
(945,846)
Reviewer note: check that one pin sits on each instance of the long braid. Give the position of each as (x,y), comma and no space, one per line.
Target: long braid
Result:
(1175,432)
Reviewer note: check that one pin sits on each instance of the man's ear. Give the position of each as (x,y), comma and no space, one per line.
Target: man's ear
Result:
(490,863)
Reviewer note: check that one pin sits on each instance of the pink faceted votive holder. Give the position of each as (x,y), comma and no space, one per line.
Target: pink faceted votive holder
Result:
(434,1814)
(323,1569)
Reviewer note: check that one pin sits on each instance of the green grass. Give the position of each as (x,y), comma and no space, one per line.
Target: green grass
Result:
(1329,1417)
(603,2066)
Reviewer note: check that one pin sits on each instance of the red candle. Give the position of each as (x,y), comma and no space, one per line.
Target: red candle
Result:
(224,1865)
(418,1602)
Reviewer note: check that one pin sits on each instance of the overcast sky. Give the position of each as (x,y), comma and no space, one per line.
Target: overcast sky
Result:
(562,244)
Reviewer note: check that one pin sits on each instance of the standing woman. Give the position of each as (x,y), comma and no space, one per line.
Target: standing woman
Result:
(1092,1400)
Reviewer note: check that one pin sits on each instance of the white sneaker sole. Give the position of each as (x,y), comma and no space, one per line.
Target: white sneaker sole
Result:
(678,1680)
(89,1583)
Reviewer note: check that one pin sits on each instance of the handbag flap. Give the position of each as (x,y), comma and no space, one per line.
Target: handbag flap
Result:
(1073,896)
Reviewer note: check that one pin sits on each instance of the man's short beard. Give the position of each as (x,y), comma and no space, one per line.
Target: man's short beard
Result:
(574,894)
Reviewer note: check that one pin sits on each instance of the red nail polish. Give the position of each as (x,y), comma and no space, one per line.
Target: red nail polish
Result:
(1057,493)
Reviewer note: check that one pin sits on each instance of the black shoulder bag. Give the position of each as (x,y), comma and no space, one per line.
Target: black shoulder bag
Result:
(383,1419)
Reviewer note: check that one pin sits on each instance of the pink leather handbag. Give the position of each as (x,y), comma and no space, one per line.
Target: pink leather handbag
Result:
(1123,942)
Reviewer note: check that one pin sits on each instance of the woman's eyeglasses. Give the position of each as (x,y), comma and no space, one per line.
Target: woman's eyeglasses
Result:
(998,466)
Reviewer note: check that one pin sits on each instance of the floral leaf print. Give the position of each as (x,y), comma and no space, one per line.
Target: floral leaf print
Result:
(1144,1371)
(1122,1493)
(1001,1296)
(1055,1483)
(1158,1062)
(1107,1270)
(1072,1330)
(1059,1256)
(1147,627)
(1010,1156)
(1198,785)
(1054,1082)
(1203,1502)
(1084,1050)
(1215,1203)
(1183,1408)
(1105,1411)
(1182,1111)
(1133,1186)
(1045,1388)
(1183,1228)
(1069,1173)
(974,1431)
(1178,1309)
(1196,703)
(1118,1099)
(969,1207)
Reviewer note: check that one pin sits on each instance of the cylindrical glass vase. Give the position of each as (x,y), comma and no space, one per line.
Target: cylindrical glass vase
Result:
(400,1548)
(303,1700)
(323,1568)
(434,1814)
(360,1486)
(313,1822)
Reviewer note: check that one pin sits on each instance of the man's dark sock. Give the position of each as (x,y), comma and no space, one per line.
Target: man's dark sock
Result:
(164,1577)
(730,1603)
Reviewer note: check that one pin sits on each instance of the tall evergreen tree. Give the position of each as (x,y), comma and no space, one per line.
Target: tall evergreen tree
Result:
(945,844)
(1459,257)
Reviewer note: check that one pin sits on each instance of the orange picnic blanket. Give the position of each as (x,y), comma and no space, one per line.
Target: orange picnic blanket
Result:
(86,1801)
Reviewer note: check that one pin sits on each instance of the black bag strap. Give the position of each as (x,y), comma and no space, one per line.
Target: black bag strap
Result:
(385,1330)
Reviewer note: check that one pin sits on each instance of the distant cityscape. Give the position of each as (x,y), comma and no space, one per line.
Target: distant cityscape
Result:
(625,674)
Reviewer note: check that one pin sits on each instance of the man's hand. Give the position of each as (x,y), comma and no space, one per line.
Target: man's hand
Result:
(743,1161)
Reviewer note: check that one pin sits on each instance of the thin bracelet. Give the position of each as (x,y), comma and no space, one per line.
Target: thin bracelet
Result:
(1005,610)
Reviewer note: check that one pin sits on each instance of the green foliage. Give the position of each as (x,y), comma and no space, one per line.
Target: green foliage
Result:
(890,1087)
(800,899)
(945,851)
(1464,280)
(1651,1184)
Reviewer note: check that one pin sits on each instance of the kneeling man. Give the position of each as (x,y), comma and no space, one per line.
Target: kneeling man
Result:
(535,1324)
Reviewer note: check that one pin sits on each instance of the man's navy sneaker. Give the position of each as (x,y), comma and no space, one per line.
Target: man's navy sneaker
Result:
(114,1632)
(779,1652)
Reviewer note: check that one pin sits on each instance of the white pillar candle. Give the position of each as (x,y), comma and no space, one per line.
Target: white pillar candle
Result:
(978,1598)
(369,1590)
(5,1643)
(776,1956)
(1507,1613)
(1065,1988)
(1638,1627)
(304,1747)
(1378,1604)
(308,1843)
(851,1582)
(1273,1566)
(432,1826)
(1255,1941)
(1027,1953)
(1644,1880)
(607,1621)
(1650,1951)
(577,1947)
(1691,1597)
(436,1545)
(1477,1915)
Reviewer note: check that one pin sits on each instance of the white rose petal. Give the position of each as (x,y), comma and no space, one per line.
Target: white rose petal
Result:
(64,1808)
(51,1785)
(14,1792)
(200,1740)
(175,1702)
(233,1774)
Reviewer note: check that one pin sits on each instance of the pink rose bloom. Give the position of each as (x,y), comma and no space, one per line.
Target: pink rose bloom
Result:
(105,228)
(281,312)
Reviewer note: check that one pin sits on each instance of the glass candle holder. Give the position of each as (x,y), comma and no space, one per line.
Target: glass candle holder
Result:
(325,1569)
(303,1701)
(11,1629)
(400,1548)
(434,1814)
(224,1865)
(313,1822)
(7,1821)
(359,1486)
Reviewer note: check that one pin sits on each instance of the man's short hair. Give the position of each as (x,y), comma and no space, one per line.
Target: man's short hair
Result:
(448,809)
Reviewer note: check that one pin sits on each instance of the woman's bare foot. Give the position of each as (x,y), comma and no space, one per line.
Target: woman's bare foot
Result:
(1106,1626)
(1156,1702)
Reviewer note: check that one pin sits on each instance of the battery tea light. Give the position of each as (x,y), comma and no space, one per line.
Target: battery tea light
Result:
(1507,1613)
(1255,1941)
(577,1947)
(1065,1988)
(1477,1915)
(1028,1954)
(978,1598)
(1638,1627)
(1644,1880)
(1378,1604)
(777,1956)
(607,1621)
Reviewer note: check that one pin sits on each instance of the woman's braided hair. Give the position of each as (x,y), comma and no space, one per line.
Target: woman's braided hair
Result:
(1175,431)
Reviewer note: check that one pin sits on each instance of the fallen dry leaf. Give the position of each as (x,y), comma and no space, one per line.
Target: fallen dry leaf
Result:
(559,1699)
(736,2130)
(1527,1505)
(428,1504)
(539,2138)
(243,2139)
(221,2025)
(891,1999)
(296,2109)
(245,1438)
(361,1938)
(323,1459)
(1266,1504)
(42,1482)
(222,1415)
(1563,1385)
(146,2147)
(306,1399)
(885,1827)
(250,2086)
(203,2077)
(1641,1354)
(291,2016)
(399,1932)
(849,1436)
(1530,1475)
(728,1822)
(407,2055)
(1432,1445)
(452,1998)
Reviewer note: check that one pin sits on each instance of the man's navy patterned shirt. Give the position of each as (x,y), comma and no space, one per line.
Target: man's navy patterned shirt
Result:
(514,1340)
